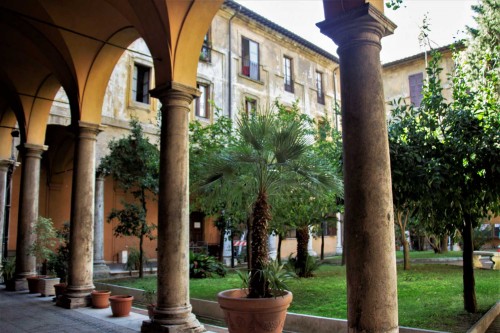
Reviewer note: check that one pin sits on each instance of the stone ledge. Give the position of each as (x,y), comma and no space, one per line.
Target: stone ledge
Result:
(296,322)
(482,324)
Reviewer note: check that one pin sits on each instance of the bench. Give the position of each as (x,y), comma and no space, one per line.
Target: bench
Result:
(494,257)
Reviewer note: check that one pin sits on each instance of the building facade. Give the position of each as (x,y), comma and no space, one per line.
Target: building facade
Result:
(246,62)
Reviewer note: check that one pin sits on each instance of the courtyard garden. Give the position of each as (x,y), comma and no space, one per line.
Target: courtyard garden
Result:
(430,295)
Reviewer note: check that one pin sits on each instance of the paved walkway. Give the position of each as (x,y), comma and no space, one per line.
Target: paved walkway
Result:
(22,312)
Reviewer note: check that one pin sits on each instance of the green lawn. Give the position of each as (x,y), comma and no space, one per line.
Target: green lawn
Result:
(430,295)
(430,254)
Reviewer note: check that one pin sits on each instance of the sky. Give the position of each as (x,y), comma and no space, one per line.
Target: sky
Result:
(447,19)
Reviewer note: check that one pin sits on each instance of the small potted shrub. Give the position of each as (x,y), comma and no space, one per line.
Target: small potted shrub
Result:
(42,248)
(58,261)
(8,270)
(149,297)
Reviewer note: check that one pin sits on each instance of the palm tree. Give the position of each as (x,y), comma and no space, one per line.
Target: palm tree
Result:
(269,153)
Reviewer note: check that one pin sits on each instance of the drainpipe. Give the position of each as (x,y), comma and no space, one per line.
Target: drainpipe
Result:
(229,71)
(335,98)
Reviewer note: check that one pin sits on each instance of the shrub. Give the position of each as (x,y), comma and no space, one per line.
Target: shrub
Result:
(202,266)
(311,265)
(57,262)
(134,259)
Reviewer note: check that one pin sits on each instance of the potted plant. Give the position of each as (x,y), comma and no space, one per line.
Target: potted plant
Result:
(271,152)
(42,248)
(58,260)
(149,297)
(246,315)
(100,298)
(121,305)
(8,270)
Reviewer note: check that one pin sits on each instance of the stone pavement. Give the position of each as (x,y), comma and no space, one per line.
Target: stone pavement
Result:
(22,312)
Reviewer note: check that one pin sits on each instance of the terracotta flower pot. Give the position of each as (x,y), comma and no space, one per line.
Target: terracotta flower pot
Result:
(121,305)
(246,315)
(34,284)
(100,298)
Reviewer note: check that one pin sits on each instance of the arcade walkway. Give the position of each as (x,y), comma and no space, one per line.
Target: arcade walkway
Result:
(21,312)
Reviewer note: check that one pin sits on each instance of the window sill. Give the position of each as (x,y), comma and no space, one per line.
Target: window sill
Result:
(250,79)
(140,106)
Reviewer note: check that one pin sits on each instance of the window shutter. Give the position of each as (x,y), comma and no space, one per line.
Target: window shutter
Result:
(134,83)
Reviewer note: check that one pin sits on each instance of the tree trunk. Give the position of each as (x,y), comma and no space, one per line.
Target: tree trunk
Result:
(258,285)
(302,240)
(278,252)
(406,254)
(143,232)
(404,241)
(141,256)
(249,243)
(470,303)
(444,243)
(322,255)
(342,261)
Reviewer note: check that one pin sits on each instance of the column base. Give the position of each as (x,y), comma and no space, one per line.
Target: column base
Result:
(21,284)
(67,302)
(191,326)
(101,271)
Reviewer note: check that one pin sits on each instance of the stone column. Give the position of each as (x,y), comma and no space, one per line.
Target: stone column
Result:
(369,227)
(310,249)
(226,253)
(4,168)
(273,246)
(173,310)
(81,245)
(340,232)
(101,270)
(28,212)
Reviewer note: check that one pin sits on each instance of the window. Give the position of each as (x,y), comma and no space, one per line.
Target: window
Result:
(329,229)
(319,88)
(202,105)
(250,59)
(250,105)
(416,82)
(141,83)
(206,49)
(292,233)
(287,71)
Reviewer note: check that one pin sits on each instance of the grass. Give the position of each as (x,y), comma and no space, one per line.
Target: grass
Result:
(430,254)
(429,295)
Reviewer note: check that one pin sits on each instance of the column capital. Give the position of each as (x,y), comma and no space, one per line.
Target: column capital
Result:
(32,150)
(175,92)
(4,164)
(89,130)
(365,24)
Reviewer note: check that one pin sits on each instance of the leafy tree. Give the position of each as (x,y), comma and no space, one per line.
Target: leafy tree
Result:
(460,147)
(303,206)
(268,153)
(134,164)
(472,133)
(407,149)
(205,143)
